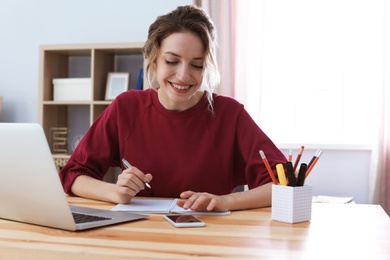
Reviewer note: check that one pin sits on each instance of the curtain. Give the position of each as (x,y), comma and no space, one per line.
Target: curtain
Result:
(384,188)
(223,15)
(380,177)
(234,48)
(380,171)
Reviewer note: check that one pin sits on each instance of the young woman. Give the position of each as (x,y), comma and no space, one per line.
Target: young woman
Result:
(179,136)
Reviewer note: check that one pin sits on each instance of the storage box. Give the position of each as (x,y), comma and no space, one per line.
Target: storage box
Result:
(72,89)
(291,204)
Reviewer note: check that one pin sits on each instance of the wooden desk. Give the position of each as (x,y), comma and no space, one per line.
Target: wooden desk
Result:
(335,232)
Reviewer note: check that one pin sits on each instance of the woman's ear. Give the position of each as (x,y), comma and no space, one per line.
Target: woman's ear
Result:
(153,66)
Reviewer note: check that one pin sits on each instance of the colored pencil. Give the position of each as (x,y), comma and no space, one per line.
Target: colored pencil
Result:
(271,173)
(317,157)
(312,159)
(290,156)
(298,158)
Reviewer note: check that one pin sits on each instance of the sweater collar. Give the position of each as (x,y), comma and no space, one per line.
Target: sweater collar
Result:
(201,105)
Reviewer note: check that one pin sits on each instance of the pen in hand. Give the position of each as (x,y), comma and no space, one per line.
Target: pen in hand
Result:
(128,165)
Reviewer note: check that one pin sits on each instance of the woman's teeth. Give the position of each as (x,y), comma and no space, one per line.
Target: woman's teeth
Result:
(180,87)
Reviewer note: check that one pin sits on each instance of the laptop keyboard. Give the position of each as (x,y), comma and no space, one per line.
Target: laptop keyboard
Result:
(83,218)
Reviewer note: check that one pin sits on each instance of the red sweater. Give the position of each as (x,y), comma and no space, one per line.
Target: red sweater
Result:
(189,150)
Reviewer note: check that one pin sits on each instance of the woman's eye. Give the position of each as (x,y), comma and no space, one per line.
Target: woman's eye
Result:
(170,62)
(197,66)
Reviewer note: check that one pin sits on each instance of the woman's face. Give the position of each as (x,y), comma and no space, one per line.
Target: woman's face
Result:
(179,69)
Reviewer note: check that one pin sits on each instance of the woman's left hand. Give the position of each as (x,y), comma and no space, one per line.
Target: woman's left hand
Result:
(202,201)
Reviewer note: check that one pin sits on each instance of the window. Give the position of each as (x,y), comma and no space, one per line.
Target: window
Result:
(315,68)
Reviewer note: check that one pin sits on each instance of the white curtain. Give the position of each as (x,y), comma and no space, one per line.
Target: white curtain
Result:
(234,48)
(223,15)
(380,177)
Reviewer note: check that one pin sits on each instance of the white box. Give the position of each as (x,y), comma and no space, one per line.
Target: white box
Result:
(72,89)
(291,204)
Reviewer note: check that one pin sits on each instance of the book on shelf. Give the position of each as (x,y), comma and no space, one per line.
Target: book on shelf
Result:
(140,81)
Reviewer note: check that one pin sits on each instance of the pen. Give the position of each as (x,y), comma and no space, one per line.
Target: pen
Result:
(298,157)
(317,157)
(128,165)
(302,174)
(281,174)
(292,180)
(271,173)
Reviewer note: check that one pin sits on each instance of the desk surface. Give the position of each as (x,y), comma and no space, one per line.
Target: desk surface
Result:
(336,231)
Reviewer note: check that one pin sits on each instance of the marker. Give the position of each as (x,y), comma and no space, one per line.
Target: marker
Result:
(302,174)
(128,165)
(292,180)
(271,173)
(281,174)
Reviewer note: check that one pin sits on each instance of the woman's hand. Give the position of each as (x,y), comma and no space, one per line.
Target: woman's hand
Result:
(130,182)
(203,201)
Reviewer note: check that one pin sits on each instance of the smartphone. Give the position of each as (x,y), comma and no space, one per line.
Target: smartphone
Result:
(184,220)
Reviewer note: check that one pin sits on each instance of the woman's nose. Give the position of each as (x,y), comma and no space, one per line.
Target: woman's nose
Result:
(183,73)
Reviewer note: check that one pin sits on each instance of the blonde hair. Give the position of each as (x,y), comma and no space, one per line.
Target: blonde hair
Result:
(185,18)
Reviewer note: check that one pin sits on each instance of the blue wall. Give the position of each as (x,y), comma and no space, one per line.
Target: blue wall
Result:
(24,25)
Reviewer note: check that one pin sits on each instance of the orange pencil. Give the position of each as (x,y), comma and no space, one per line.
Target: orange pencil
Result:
(271,173)
(317,157)
(298,157)
(290,156)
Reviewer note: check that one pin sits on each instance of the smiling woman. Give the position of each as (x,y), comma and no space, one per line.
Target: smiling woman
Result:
(188,141)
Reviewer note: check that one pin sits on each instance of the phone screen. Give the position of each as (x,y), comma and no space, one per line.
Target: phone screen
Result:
(184,220)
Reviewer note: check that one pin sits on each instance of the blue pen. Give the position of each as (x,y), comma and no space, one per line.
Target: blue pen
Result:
(128,165)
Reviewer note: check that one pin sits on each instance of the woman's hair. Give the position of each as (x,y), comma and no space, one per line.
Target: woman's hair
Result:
(185,18)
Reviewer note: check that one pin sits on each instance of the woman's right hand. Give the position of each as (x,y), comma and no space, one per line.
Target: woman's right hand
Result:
(130,182)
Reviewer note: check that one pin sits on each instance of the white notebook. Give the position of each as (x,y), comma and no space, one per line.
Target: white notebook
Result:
(160,206)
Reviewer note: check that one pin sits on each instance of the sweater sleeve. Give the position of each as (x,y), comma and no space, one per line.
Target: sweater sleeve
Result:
(250,140)
(96,152)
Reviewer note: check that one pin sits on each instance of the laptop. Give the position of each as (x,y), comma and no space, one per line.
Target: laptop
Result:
(30,188)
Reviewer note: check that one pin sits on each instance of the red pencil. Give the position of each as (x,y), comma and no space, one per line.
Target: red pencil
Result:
(271,173)
(317,157)
(298,157)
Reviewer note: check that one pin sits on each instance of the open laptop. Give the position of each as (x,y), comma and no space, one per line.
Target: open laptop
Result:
(30,188)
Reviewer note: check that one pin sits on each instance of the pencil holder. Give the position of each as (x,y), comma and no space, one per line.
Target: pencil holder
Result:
(291,204)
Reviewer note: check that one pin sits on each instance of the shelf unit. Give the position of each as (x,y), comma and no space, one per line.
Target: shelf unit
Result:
(92,61)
